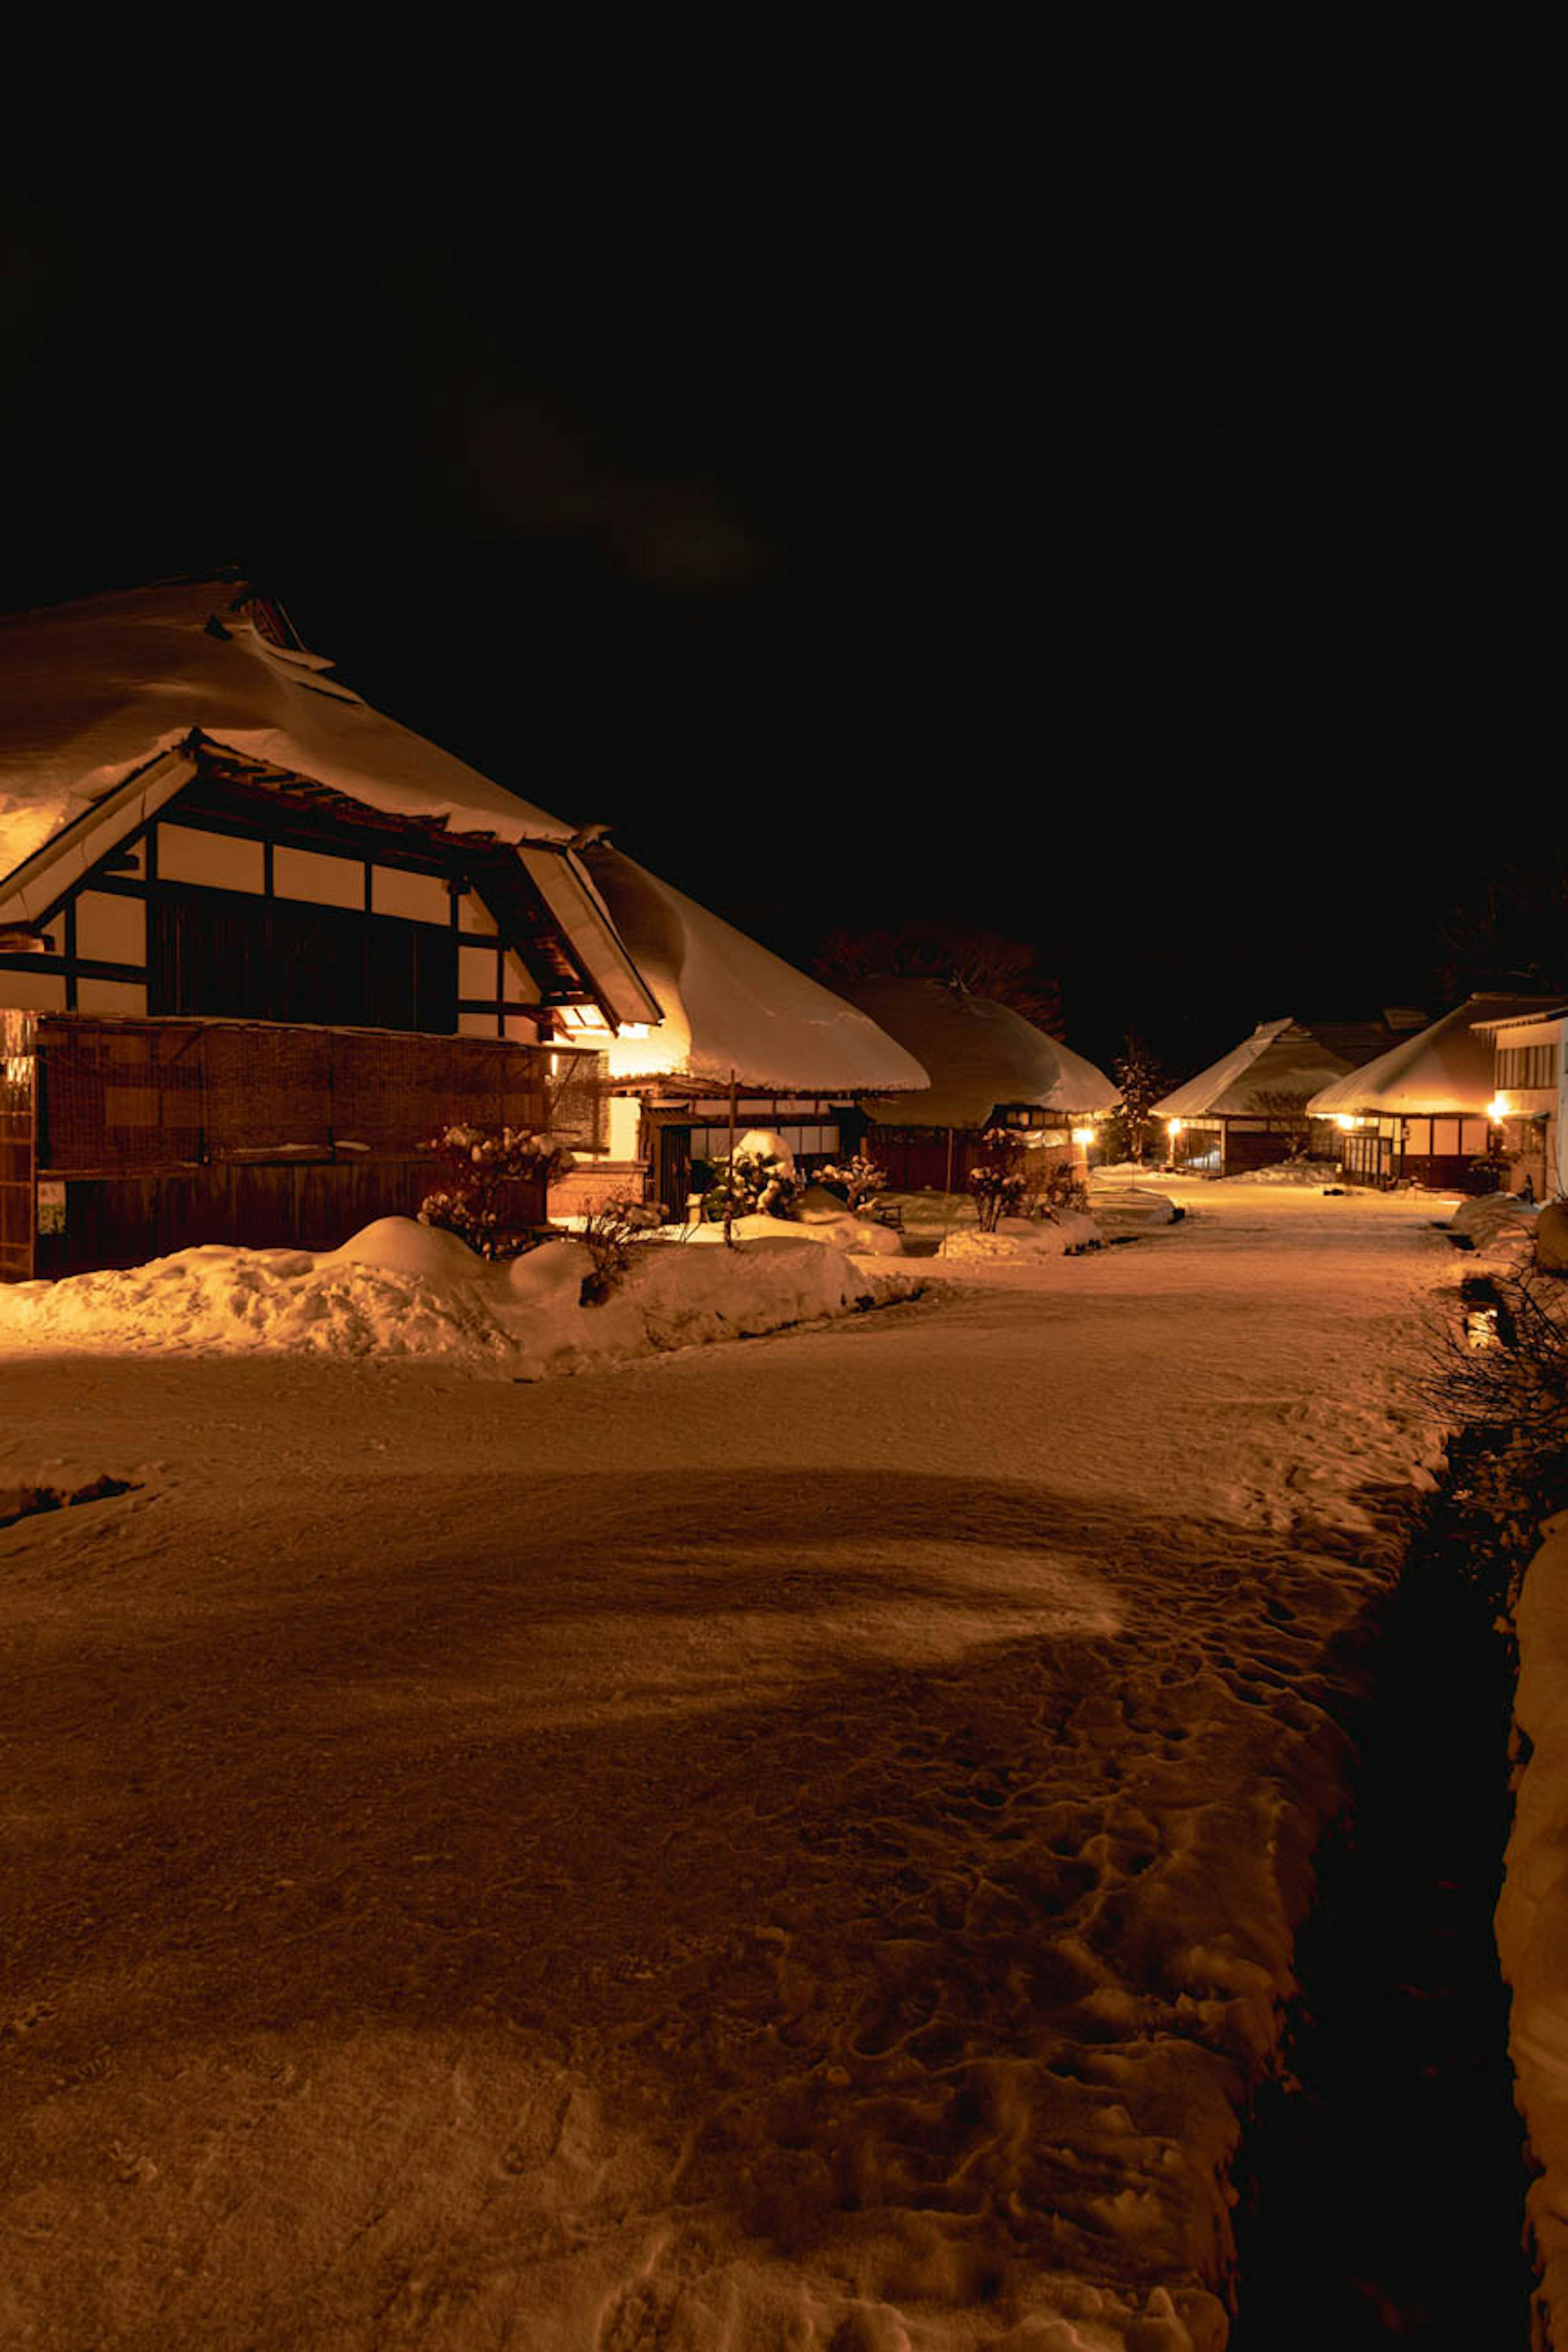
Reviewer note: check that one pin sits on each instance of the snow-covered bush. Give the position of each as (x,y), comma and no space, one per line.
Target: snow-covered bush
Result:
(999,1182)
(493,1197)
(610,1231)
(754,1183)
(854,1179)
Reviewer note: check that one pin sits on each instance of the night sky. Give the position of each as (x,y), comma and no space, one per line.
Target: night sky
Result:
(1138,566)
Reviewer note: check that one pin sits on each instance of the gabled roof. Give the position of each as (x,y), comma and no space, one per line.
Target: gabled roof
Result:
(111,705)
(1281,1058)
(97,689)
(1445,1068)
(729,1005)
(979,1054)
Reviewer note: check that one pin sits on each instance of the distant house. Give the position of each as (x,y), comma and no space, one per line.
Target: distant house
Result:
(746,1041)
(988,1067)
(1422,1112)
(257,943)
(1529,1108)
(1248,1110)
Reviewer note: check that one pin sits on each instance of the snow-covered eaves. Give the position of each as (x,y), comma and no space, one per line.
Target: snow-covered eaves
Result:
(1445,1069)
(731,1008)
(96,691)
(1280,1059)
(1082,1085)
(979,1054)
(1496,1024)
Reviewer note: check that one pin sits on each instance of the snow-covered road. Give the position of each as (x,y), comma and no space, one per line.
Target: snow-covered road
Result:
(786,1845)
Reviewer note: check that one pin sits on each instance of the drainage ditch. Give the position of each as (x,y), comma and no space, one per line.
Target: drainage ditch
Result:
(1385,2175)
(21,1502)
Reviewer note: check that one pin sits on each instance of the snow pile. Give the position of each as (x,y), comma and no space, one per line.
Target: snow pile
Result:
(1024,1238)
(1129,1208)
(1495,1217)
(1532,1911)
(401,1289)
(858,1236)
(1290,1171)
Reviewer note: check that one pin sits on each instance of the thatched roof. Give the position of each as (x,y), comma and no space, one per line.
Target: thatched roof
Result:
(97,689)
(732,1005)
(979,1054)
(1443,1069)
(1281,1059)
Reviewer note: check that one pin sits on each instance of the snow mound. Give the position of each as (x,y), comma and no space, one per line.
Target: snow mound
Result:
(403,1289)
(1498,1220)
(1129,1209)
(401,1245)
(860,1236)
(1024,1238)
(1289,1171)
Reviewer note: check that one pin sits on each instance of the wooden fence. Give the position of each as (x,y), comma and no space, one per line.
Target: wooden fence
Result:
(122,1141)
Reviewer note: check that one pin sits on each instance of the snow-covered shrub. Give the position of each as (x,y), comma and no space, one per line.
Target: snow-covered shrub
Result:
(999,1182)
(493,1197)
(1067,1190)
(854,1179)
(755,1183)
(610,1231)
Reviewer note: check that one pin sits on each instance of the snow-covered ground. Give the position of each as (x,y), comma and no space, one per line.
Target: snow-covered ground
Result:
(785,1846)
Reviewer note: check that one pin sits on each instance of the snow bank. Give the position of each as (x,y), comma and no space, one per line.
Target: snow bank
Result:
(399,1288)
(1316,1172)
(1495,1217)
(1027,1238)
(860,1236)
(1532,1911)
(1129,1208)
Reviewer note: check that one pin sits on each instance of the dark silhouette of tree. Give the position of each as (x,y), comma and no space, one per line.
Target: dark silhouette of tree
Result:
(1511,934)
(985,962)
(1143,1081)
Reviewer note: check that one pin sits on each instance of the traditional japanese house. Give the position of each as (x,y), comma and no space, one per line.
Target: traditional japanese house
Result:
(1082,1096)
(1248,1110)
(989,1067)
(1528,1106)
(258,943)
(1423,1112)
(746,1042)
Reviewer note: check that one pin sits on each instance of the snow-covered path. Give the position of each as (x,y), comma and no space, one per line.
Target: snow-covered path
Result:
(786,1845)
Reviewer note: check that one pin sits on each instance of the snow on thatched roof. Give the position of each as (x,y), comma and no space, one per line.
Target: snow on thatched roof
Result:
(96,690)
(1445,1068)
(729,1005)
(1281,1058)
(979,1053)
(1082,1086)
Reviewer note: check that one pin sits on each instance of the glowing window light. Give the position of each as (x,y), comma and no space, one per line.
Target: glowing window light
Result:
(1497,1110)
(1083,1135)
(632,1029)
(1344,1122)
(1176,1125)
